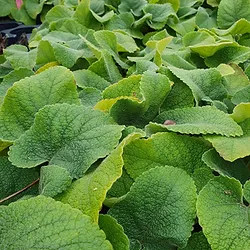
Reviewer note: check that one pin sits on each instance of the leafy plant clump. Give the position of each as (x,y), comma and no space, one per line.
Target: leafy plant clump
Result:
(126,125)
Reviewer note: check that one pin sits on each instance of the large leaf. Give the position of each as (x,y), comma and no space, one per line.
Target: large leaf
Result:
(60,135)
(223,215)
(26,97)
(199,120)
(230,11)
(164,149)
(88,193)
(130,5)
(163,201)
(43,223)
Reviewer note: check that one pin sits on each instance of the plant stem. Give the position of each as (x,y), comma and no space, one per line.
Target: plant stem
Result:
(19,191)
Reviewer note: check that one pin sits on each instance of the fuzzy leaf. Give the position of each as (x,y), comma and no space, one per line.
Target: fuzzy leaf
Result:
(114,232)
(60,135)
(168,190)
(233,148)
(26,97)
(164,149)
(222,214)
(43,223)
(200,120)
(88,193)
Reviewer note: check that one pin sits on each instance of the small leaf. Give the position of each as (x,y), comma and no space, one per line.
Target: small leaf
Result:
(61,133)
(114,232)
(220,206)
(197,241)
(236,169)
(241,112)
(43,223)
(130,5)
(200,120)
(53,180)
(168,190)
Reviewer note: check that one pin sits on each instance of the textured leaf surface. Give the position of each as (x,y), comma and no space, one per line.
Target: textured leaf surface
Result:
(204,83)
(26,97)
(60,135)
(19,57)
(164,149)
(88,193)
(230,11)
(53,180)
(168,190)
(242,95)
(114,232)
(233,148)
(200,120)
(42,223)
(222,214)
(197,241)
(13,179)
(241,112)
(236,169)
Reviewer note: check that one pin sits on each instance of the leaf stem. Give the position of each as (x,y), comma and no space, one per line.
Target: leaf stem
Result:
(19,191)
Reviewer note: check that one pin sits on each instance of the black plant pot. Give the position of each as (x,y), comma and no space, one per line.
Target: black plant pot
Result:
(14,31)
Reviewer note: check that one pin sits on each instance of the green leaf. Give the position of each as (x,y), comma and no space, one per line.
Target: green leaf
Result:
(160,14)
(59,12)
(84,16)
(203,43)
(43,223)
(236,81)
(236,169)
(106,68)
(90,96)
(237,54)
(61,133)
(45,53)
(20,57)
(240,27)
(199,120)
(53,180)
(130,5)
(114,232)
(87,78)
(213,3)
(26,97)
(14,179)
(243,95)
(11,78)
(164,149)
(230,11)
(233,148)
(107,40)
(246,190)
(125,43)
(88,193)
(21,15)
(6,7)
(124,23)
(34,7)
(197,241)
(206,18)
(205,84)
(241,112)
(168,190)
(201,177)
(223,215)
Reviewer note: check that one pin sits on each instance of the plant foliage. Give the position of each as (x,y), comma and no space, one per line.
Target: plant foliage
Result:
(125,125)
